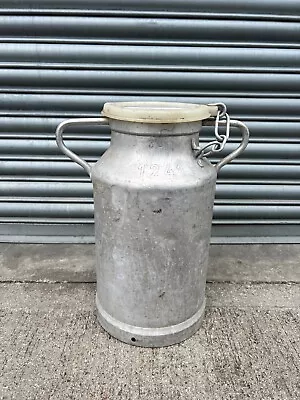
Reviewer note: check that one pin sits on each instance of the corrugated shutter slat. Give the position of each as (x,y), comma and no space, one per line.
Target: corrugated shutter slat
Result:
(61,59)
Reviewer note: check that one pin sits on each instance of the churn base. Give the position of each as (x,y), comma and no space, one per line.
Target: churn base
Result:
(150,337)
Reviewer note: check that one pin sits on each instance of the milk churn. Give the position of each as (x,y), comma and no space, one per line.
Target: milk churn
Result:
(153,193)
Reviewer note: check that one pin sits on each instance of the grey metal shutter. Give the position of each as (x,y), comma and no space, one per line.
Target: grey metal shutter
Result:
(62,59)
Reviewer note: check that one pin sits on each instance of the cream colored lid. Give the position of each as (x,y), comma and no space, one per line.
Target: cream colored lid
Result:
(158,112)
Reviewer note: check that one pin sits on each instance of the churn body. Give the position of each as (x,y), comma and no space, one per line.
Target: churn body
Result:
(153,212)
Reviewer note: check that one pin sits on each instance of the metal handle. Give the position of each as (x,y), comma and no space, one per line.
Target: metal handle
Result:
(245,139)
(71,122)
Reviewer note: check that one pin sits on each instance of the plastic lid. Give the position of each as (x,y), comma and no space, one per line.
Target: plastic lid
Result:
(158,112)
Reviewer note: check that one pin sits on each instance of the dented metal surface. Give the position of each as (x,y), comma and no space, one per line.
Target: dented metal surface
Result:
(153,197)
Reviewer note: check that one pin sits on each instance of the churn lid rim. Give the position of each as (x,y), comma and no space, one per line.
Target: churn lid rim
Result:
(158,112)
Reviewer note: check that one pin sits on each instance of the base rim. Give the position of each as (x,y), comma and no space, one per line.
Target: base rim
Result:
(150,337)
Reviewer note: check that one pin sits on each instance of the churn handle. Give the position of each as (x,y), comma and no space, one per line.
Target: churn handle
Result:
(71,122)
(245,139)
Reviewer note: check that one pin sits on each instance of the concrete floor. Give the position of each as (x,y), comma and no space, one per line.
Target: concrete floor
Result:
(52,347)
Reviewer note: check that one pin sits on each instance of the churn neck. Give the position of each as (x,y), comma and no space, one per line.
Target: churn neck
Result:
(157,118)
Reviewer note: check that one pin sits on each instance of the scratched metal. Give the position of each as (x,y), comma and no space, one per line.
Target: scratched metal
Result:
(153,208)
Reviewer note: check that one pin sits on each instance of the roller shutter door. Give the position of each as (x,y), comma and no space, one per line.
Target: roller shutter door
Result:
(63,59)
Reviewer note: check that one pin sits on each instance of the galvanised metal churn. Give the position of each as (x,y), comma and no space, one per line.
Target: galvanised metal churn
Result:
(154,192)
